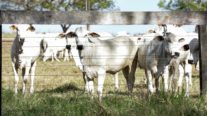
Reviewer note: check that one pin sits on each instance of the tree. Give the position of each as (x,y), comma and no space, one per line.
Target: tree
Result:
(186,5)
(58,5)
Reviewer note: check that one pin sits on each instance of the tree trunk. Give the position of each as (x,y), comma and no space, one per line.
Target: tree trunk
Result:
(65,27)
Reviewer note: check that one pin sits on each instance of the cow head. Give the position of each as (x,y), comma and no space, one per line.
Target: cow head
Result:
(22,31)
(31,28)
(172,45)
(71,40)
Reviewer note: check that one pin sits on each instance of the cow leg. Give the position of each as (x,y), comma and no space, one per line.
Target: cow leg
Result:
(165,78)
(55,56)
(116,81)
(66,55)
(16,77)
(101,79)
(156,84)
(25,75)
(149,81)
(188,76)
(90,84)
(180,79)
(126,75)
(32,72)
(85,82)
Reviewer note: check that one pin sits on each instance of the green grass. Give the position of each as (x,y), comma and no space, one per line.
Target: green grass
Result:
(59,91)
(8,35)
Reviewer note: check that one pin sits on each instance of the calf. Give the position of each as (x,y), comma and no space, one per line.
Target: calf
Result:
(24,53)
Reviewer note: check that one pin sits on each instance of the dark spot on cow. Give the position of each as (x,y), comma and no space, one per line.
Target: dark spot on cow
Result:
(72,34)
(31,28)
(61,35)
(139,38)
(80,47)
(93,34)
(186,47)
(181,40)
(160,38)
(190,62)
(68,47)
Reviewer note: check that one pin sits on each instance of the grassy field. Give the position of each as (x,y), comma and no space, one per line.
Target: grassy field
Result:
(59,91)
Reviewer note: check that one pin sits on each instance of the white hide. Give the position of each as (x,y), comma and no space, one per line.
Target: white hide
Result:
(24,53)
(116,54)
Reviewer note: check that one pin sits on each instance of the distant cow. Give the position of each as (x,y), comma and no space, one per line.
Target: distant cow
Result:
(52,45)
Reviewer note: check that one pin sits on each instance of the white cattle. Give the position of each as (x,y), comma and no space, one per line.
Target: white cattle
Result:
(154,55)
(24,52)
(52,45)
(122,33)
(81,32)
(194,49)
(181,65)
(99,57)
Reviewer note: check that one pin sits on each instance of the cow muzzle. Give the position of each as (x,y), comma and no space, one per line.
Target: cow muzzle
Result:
(176,55)
(68,47)
(190,61)
(80,47)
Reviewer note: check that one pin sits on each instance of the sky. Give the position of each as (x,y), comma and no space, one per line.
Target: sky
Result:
(124,5)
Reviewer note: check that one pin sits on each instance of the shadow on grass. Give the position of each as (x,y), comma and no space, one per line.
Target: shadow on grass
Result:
(64,88)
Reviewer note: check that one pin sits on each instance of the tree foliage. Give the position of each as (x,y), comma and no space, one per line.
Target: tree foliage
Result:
(186,5)
(57,5)
(62,5)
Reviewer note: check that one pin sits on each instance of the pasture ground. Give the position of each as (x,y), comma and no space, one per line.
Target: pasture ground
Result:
(59,91)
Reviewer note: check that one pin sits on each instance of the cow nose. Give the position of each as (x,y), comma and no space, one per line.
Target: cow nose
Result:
(68,47)
(20,51)
(190,61)
(177,54)
(80,47)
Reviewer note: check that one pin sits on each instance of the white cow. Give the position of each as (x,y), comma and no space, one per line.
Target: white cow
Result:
(181,65)
(81,32)
(154,55)
(52,45)
(24,53)
(194,49)
(99,57)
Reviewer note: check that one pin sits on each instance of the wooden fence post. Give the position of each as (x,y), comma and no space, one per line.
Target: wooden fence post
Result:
(203,58)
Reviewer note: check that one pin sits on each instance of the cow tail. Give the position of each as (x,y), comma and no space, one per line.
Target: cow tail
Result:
(43,46)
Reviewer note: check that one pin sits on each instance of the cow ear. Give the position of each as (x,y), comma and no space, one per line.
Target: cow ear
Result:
(71,34)
(93,34)
(151,31)
(186,47)
(31,28)
(160,38)
(61,35)
(139,38)
(14,28)
(181,40)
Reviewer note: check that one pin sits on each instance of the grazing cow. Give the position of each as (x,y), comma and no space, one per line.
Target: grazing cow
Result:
(99,57)
(155,55)
(24,52)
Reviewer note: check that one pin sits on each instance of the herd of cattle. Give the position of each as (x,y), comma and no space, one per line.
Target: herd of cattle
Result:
(167,52)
